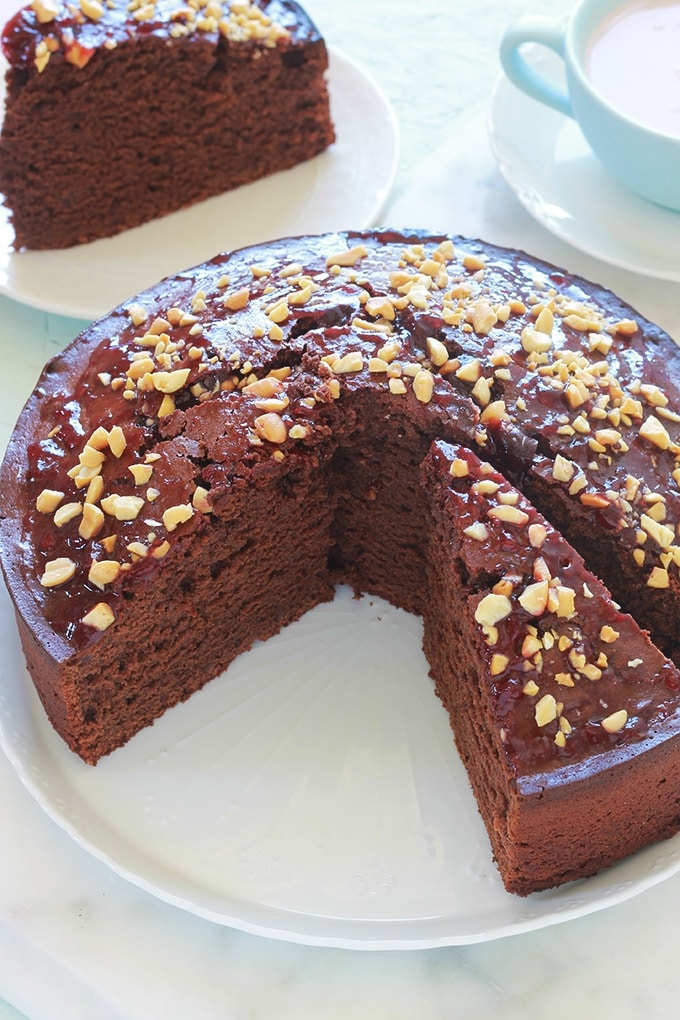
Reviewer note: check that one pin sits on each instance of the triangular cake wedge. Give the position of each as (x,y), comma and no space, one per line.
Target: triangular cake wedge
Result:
(565,715)
(162,104)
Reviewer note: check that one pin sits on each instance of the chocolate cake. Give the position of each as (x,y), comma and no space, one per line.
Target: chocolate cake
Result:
(542,674)
(414,415)
(118,112)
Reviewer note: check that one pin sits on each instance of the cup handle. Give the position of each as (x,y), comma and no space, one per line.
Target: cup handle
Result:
(547,33)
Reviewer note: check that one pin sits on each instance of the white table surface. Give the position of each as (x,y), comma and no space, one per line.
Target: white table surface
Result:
(76,941)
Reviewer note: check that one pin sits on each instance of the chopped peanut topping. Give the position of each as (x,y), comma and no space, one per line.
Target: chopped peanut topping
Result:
(45,10)
(498,664)
(141,473)
(615,722)
(272,427)
(67,512)
(201,500)
(238,299)
(92,9)
(100,617)
(117,441)
(509,515)
(492,609)
(654,432)
(423,386)
(537,534)
(546,710)
(350,362)
(608,634)
(123,508)
(92,521)
(103,572)
(659,578)
(176,515)
(459,468)
(534,598)
(58,572)
(171,382)
(48,501)
(347,258)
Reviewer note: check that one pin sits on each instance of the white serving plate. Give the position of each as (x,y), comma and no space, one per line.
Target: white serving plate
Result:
(311,793)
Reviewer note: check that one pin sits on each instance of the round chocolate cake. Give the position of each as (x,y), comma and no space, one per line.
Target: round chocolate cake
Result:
(476,436)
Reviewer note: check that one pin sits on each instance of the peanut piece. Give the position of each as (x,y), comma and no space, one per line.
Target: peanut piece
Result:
(100,617)
(58,572)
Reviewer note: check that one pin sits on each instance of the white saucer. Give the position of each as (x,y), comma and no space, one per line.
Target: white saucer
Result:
(311,793)
(547,162)
(344,188)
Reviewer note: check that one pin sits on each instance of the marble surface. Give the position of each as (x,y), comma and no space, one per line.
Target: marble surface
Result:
(76,941)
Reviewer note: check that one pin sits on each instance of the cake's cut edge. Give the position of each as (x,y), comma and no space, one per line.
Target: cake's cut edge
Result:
(565,714)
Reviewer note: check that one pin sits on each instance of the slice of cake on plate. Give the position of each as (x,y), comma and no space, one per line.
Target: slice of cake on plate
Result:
(118,113)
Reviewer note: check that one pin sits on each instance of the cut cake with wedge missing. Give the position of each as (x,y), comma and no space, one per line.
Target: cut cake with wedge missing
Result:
(239,438)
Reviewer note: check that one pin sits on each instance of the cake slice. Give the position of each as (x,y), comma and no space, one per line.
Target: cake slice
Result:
(118,112)
(565,715)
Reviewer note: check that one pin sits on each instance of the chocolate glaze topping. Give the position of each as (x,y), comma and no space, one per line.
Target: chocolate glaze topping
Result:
(49,30)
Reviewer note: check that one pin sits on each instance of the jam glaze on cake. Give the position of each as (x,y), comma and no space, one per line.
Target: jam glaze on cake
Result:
(236,440)
(119,112)
(549,686)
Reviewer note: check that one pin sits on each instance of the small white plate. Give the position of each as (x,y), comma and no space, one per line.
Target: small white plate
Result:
(549,165)
(343,188)
(311,793)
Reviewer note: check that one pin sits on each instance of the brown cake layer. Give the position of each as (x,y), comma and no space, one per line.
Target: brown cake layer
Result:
(121,113)
(542,676)
(239,438)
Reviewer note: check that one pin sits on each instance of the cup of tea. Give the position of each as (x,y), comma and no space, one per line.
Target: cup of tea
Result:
(622,71)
